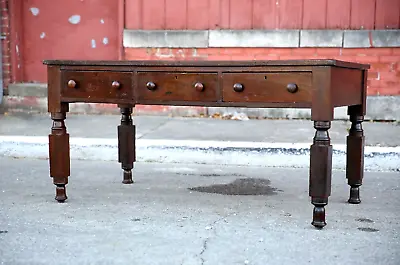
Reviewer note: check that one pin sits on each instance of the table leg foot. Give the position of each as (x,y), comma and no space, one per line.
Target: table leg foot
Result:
(354,195)
(127,178)
(61,194)
(319,212)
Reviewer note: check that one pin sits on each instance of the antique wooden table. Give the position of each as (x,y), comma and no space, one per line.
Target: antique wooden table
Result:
(320,85)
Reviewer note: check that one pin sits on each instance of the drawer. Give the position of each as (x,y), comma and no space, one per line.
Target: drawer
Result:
(163,86)
(267,87)
(96,85)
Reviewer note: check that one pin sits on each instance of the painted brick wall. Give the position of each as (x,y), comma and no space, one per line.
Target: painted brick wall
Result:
(5,43)
(383,79)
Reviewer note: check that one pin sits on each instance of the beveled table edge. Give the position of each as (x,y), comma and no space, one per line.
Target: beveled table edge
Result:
(195,63)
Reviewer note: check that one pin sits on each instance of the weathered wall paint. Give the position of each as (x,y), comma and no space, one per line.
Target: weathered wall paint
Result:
(68,29)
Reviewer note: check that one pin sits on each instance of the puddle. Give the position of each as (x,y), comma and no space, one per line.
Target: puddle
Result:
(243,186)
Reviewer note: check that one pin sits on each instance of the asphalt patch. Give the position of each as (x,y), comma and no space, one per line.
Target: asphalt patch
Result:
(364,220)
(242,186)
(367,229)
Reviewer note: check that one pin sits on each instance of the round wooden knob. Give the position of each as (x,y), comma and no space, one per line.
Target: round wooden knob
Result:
(151,86)
(238,87)
(199,86)
(71,84)
(115,85)
(292,88)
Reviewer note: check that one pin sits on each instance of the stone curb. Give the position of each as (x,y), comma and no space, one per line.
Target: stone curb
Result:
(261,38)
(200,152)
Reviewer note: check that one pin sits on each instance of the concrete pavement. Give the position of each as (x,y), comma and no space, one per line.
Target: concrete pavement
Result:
(160,220)
(274,143)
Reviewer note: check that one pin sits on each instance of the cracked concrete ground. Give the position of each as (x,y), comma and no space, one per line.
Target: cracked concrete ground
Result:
(159,220)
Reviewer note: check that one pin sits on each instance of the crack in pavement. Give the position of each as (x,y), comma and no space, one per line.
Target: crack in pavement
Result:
(154,129)
(207,240)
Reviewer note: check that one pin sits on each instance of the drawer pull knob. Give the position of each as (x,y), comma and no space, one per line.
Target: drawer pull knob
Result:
(151,86)
(292,88)
(115,85)
(238,87)
(71,84)
(199,86)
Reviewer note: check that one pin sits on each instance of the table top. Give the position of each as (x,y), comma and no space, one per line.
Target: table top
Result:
(194,63)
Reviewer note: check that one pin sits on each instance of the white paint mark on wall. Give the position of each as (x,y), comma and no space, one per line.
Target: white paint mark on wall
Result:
(34,11)
(16,49)
(105,40)
(102,21)
(93,43)
(75,19)
(42,35)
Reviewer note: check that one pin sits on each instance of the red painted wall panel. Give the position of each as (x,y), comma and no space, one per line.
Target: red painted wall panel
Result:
(290,14)
(338,14)
(175,14)
(362,14)
(153,16)
(224,11)
(84,30)
(387,14)
(314,14)
(133,14)
(241,13)
(197,14)
(214,14)
(265,14)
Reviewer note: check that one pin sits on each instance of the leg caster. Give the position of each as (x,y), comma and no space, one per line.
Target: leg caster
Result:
(61,194)
(354,195)
(319,212)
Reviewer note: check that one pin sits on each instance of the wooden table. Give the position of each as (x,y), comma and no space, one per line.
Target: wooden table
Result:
(320,85)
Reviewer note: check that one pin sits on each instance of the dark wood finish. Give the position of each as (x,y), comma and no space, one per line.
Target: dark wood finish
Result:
(92,85)
(319,85)
(59,155)
(266,87)
(165,86)
(126,144)
(320,171)
(355,153)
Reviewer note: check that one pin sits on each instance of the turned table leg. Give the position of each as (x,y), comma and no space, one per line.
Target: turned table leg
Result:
(320,172)
(355,154)
(59,155)
(126,144)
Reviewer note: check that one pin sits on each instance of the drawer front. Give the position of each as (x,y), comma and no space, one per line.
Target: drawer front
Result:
(267,87)
(162,86)
(96,85)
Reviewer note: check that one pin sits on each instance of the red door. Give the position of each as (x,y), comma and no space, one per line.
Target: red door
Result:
(66,29)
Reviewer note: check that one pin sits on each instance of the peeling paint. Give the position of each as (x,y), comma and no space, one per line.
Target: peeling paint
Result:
(102,21)
(75,19)
(34,11)
(42,35)
(93,43)
(105,40)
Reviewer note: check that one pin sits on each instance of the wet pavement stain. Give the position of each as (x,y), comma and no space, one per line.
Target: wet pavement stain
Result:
(367,229)
(364,220)
(243,186)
